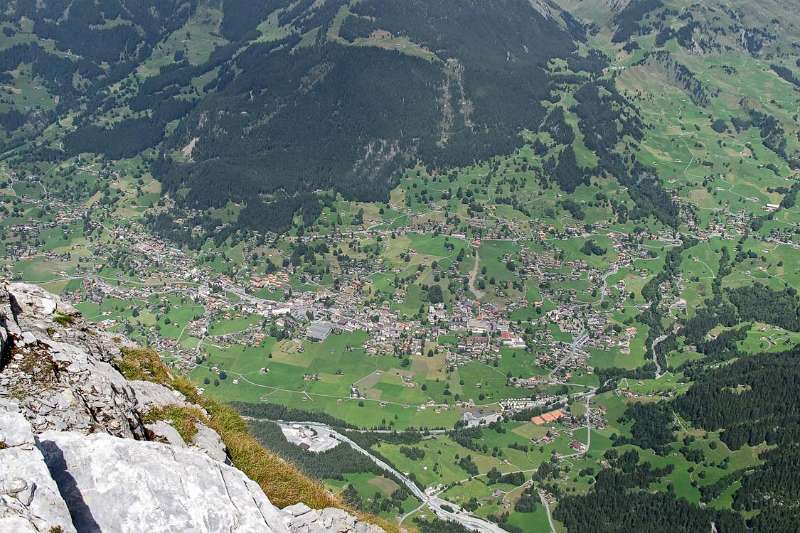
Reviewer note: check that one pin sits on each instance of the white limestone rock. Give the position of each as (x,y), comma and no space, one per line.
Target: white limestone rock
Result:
(152,396)
(67,384)
(29,498)
(106,394)
(297,509)
(300,518)
(122,485)
(14,429)
(34,311)
(164,432)
(33,300)
(209,442)
(69,390)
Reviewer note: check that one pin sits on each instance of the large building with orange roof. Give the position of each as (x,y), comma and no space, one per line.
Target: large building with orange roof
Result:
(547,418)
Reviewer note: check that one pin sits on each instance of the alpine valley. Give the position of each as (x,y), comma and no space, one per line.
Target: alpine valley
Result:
(400,265)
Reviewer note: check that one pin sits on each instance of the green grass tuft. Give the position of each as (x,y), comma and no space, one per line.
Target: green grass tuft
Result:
(63,319)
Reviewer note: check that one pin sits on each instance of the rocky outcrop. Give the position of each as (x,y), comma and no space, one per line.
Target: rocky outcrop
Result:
(209,442)
(82,450)
(182,490)
(152,395)
(303,519)
(29,497)
(62,375)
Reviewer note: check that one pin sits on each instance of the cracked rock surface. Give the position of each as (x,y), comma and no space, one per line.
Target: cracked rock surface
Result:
(62,375)
(181,489)
(303,519)
(29,497)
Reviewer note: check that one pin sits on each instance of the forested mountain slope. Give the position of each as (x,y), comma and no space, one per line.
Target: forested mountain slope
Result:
(263,103)
(60,55)
(315,111)
(266,105)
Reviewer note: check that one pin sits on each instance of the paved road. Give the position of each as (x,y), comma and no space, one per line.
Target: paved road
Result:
(436,503)
(656,342)
(575,348)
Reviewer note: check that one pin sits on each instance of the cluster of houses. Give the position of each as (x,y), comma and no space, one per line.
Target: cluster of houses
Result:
(278,280)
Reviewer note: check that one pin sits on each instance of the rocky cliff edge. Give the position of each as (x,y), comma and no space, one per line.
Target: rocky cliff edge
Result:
(83,449)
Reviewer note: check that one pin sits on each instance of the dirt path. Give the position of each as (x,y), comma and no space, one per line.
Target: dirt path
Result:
(547,509)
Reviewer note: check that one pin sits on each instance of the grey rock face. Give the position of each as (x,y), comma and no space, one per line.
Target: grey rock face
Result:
(164,432)
(209,442)
(297,509)
(29,498)
(152,396)
(32,300)
(46,316)
(302,519)
(65,384)
(114,484)
(63,388)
